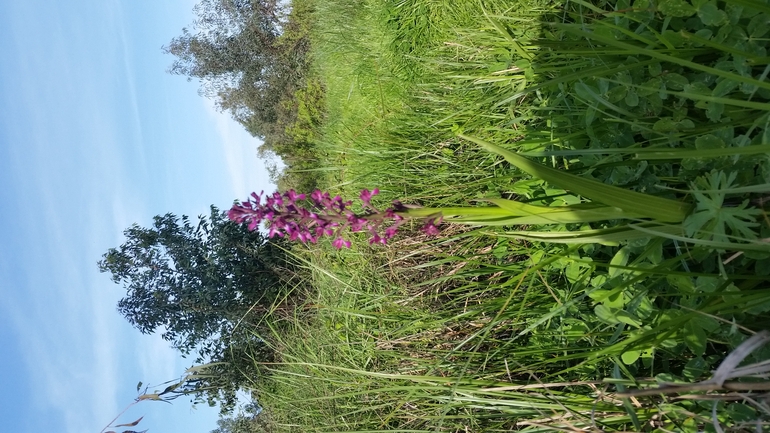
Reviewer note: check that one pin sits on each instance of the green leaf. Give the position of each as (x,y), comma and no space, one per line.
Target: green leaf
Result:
(566,214)
(620,259)
(708,284)
(610,236)
(651,86)
(675,8)
(714,111)
(707,323)
(627,318)
(665,124)
(614,300)
(632,99)
(724,87)
(675,81)
(655,69)
(138,386)
(605,314)
(694,368)
(695,338)
(681,282)
(709,141)
(710,15)
(634,203)
(759,26)
(630,356)
(740,412)
(590,115)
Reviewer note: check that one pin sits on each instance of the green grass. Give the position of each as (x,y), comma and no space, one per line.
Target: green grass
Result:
(536,327)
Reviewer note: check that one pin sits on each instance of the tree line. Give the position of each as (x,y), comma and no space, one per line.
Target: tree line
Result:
(252,58)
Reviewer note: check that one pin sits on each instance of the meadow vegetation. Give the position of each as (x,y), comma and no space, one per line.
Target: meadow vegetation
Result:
(536,326)
(570,305)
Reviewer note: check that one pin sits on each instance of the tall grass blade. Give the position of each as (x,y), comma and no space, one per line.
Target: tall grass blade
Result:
(632,202)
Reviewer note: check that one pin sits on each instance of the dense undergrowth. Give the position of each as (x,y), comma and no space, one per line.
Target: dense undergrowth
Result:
(542,326)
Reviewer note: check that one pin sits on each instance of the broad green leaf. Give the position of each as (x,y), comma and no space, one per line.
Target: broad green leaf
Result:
(516,208)
(620,259)
(589,93)
(658,208)
(655,69)
(709,141)
(627,318)
(665,124)
(590,115)
(610,298)
(710,15)
(759,26)
(675,81)
(708,284)
(695,338)
(675,8)
(714,111)
(632,99)
(562,214)
(630,356)
(694,368)
(643,308)
(600,295)
(740,412)
(606,315)
(705,322)
(724,87)
(682,283)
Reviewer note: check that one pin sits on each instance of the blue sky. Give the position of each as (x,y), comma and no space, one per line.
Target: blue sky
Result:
(94,136)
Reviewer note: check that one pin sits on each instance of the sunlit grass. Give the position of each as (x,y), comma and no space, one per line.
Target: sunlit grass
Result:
(538,326)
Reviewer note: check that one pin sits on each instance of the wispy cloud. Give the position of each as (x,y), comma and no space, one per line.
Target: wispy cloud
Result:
(70,350)
(246,172)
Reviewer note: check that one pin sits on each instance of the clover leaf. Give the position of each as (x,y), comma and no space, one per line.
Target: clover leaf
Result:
(711,220)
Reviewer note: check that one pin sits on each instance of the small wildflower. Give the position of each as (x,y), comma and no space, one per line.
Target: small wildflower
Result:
(306,220)
(339,243)
(366,196)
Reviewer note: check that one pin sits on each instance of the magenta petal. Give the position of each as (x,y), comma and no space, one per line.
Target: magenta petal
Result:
(339,243)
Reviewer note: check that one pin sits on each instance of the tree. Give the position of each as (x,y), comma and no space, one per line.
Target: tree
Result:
(195,283)
(251,419)
(234,50)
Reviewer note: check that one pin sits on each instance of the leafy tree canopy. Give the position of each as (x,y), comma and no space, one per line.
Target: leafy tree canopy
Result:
(195,283)
(234,49)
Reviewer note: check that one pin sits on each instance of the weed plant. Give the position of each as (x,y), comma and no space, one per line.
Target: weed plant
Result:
(551,324)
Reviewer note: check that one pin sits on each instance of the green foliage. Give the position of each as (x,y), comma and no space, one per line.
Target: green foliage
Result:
(655,112)
(248,57)
(712,220)
(503,328)
(308,113)
(204,286)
